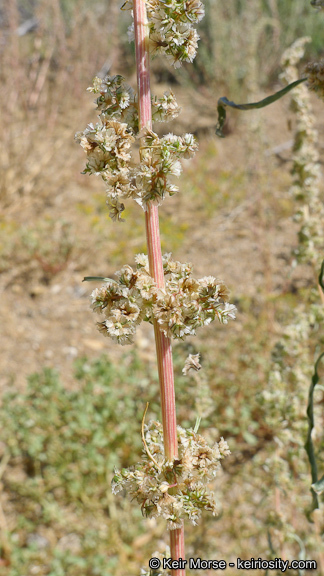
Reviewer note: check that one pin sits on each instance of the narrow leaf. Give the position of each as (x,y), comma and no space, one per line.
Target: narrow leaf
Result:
(90,278)
(309,447)
(196,428)
(223,102)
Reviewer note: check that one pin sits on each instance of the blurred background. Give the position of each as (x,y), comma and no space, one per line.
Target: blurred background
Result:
(72,401)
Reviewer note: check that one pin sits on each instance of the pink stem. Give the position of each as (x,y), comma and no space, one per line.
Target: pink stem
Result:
(163,343)
(177,548)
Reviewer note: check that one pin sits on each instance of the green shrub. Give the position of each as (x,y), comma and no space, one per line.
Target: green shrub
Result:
(67,443)
(73,438)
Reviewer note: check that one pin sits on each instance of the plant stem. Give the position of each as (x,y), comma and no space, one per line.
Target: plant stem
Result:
(163,343)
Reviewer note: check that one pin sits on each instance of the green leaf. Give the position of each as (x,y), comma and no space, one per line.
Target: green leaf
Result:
(223,102)
(309,447)
(90,278)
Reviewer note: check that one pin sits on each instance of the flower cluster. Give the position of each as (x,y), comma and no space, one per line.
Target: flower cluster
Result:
(306,167)
(180,308)
(107,147)
(160,160)
(310,247)
(178,489)
(172,31)
(315,75)
(116,100)
(171,28)
(292,363)
(291,58)
(165,108)
(289,376)
(108,143)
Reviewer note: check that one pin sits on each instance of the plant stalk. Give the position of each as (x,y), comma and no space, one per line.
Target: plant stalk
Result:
(163,343)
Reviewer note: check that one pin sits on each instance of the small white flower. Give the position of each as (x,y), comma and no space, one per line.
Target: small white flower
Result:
(176,168)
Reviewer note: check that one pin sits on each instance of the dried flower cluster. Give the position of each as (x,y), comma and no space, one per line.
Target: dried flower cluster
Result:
(289,378)
(180,308)
(292,362)
(116,100)
(292,366)
(315,74)
(160,160)
(291,58)
(306,167)
(191,363)
(173,490)
(172,29)
(285,400)
(108,143)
